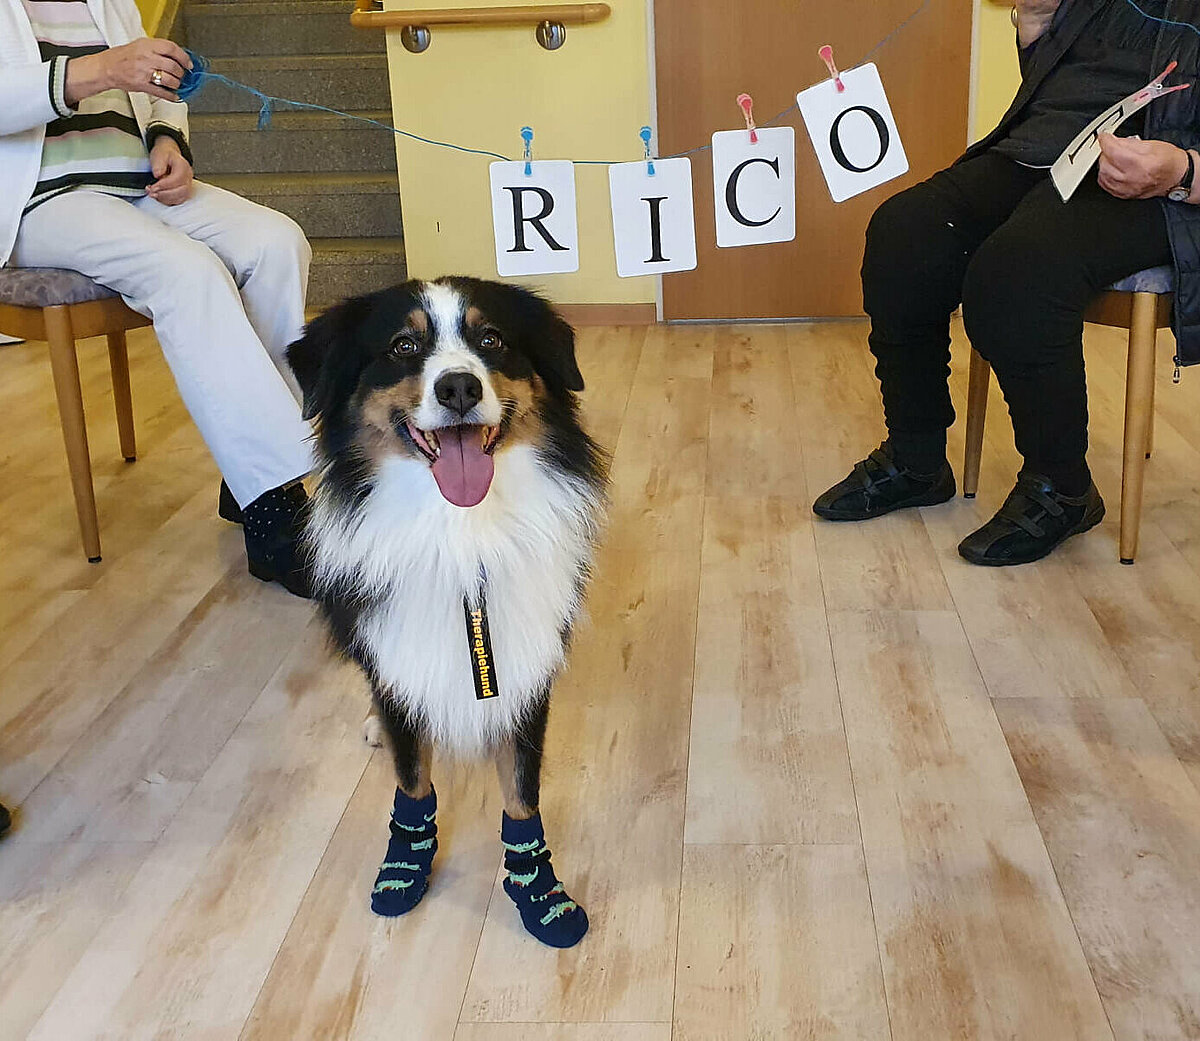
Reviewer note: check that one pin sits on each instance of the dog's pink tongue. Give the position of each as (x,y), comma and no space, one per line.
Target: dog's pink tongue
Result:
(464,470)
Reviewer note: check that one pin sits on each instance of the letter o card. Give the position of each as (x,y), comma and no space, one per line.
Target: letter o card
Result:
(654,217)
(534,218)
(754,186)
(853,132)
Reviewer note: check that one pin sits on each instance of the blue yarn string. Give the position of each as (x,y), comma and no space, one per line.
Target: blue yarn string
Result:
(195,79)
(1163,21)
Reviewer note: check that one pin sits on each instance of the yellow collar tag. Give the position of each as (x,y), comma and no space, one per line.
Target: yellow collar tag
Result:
(479,643)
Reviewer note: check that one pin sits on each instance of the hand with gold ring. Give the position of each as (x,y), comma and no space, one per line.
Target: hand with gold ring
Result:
(146,66)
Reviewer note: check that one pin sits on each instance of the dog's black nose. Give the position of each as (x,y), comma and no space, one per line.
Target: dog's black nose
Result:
(460,391)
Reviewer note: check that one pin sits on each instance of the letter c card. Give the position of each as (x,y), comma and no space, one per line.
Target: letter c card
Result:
(654,221)
(754,186)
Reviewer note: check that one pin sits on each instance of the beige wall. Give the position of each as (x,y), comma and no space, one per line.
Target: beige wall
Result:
(996,72)
(479,87)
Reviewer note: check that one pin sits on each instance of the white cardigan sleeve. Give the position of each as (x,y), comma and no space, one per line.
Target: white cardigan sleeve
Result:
(25,100)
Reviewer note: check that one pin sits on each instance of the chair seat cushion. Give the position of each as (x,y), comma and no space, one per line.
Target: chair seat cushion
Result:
(1152,280)
(48,287)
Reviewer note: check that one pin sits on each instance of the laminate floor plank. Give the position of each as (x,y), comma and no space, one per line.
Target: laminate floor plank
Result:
(974,934)
(1120,817)
(186,951)
(777,942)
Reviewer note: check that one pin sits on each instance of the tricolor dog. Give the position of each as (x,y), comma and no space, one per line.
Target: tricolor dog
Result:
(451,536)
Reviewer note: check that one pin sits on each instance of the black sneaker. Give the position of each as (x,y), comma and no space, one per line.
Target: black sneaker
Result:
(273,526)
(227,506)
(877,486)
(1033,520)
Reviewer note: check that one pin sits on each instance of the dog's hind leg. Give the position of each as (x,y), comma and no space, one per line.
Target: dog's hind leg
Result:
(404,876)
(373,729)
(546,910)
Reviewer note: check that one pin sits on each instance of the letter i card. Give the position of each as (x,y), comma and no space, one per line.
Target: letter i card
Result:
(654,220)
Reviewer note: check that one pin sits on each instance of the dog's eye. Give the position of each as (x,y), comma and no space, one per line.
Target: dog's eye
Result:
(403,344)
(491,341)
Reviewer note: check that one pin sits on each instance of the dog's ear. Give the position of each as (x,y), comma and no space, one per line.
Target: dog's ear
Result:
(550,343)
(319,358)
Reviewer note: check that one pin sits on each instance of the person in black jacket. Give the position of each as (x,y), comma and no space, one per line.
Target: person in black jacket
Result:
(992,234)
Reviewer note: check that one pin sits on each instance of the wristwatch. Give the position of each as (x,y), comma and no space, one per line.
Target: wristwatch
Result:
(1183,190)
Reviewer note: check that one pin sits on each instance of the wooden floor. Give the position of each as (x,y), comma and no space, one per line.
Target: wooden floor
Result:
(811,781)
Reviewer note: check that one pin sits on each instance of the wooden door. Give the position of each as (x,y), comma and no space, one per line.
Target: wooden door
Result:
(709,51)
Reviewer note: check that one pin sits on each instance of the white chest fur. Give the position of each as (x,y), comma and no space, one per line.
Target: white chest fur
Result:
(532,537)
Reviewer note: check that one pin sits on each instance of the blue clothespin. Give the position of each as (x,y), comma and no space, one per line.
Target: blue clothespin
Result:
(645,134)
(527,137)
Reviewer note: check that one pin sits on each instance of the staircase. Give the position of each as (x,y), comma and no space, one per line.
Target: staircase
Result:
(336,177)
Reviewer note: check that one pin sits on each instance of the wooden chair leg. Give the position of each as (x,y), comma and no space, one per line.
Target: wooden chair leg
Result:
(64,364)
(1153,402)
(118,360)
(977,398)
(1139,396)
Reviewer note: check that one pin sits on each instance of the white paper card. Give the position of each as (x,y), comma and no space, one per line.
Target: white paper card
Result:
(754,186)
(853,132)
(1071,167)
(534,218)
(654,219)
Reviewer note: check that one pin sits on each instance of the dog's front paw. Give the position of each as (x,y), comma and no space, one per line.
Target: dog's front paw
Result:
(373,731)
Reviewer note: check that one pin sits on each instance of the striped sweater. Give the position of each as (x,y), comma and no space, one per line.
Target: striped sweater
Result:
(97,145)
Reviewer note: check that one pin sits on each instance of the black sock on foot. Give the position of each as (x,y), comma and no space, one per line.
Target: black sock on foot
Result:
(547,913)
(275,513)
(404,877)
(922,455)
(1073,479)
(273,527)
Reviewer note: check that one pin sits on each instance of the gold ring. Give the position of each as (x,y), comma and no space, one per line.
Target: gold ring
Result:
(156,77)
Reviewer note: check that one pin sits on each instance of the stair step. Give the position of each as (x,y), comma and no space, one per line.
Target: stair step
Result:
(230,30)
(297,142)
(329,206)
(342,81)
(349,267)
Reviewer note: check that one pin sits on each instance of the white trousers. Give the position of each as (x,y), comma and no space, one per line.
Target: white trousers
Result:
(224,281)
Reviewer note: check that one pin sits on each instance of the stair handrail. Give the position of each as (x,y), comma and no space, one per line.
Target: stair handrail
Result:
(368,14)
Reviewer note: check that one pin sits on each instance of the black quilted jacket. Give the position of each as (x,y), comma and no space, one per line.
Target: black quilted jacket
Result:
(1175,118)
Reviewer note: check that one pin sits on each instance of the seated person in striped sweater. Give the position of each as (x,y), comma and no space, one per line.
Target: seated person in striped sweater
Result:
(96,176)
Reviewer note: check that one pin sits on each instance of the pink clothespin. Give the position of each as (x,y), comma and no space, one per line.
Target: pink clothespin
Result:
(826,54)
(746,103)
(1155,88)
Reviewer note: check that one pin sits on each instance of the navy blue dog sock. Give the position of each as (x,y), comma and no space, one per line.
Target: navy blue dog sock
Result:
(404,877)
(546,911)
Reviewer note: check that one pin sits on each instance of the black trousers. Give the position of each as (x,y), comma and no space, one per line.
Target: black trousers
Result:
(995,236)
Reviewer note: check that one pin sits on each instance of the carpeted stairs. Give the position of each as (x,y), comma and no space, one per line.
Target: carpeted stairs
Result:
(337,178)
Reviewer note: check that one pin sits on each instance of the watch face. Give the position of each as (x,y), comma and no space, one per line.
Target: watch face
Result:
(1178,194)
